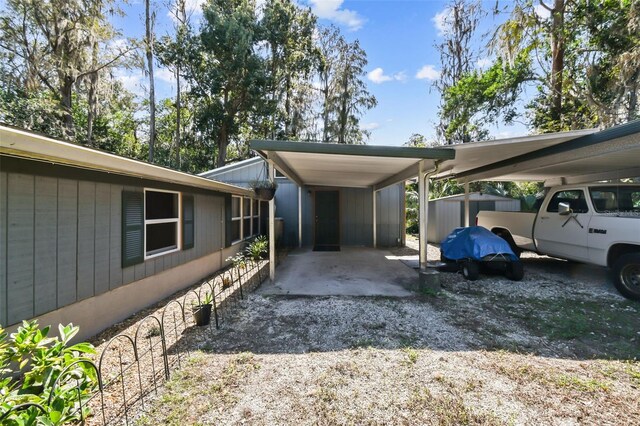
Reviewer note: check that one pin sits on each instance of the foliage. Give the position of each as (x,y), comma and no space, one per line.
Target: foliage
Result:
(266,184)
(239,260)
(582,62)
(208,298)
(258,248)
(47,371)
(457,59)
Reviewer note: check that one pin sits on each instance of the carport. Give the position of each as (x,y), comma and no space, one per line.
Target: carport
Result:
(558,158)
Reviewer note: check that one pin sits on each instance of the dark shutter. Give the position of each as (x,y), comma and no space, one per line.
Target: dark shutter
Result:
(132,228)
(227,220)
(187,222)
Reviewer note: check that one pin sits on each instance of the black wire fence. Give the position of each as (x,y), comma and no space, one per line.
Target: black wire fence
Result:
(131,369)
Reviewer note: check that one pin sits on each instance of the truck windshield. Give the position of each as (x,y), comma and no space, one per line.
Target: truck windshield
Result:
(619,200)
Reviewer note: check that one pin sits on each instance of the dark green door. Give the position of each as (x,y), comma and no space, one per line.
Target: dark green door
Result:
(327,234)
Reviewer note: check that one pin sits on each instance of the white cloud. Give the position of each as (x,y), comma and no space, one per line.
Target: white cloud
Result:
(165,74)
(542,12)
(441,21)
(483,63)
(331,10)
(378,76)
(370,126)
(427,72)
(192,8)
(131,80)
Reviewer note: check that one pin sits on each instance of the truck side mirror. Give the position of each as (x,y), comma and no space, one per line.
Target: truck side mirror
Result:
(564,209)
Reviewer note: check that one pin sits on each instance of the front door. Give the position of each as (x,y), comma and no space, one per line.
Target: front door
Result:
(327,215)
(564,236)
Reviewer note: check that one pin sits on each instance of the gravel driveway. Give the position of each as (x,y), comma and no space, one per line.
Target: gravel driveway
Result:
(551,349)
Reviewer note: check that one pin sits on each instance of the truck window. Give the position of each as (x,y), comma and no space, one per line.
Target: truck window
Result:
(574,197)
(616,199)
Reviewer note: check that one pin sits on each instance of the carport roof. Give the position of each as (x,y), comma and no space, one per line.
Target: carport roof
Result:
(341,165)
(556,158)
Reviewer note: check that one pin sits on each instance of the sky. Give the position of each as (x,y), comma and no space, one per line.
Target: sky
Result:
(399,38)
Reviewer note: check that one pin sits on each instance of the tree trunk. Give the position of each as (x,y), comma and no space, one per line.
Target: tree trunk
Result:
(223,141)
(92,99)
(178,116)
(152,92)
(325,114)
(557,60)
(633,98)
(66,99)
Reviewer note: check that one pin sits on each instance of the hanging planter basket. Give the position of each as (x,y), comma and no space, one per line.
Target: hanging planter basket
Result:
(266,194)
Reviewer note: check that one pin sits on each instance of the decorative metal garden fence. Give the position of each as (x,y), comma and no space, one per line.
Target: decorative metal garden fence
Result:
(131,369)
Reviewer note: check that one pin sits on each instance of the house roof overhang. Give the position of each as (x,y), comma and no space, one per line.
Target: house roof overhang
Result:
(23,144)
(341,165)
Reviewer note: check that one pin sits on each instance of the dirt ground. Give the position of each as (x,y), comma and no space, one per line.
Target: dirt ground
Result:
(555,348)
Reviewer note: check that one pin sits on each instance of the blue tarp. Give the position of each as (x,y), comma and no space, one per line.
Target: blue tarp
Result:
(474,242)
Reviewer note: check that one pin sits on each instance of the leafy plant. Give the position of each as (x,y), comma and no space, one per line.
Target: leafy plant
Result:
(258,248)
(208,298)
(238,261)
(47,371)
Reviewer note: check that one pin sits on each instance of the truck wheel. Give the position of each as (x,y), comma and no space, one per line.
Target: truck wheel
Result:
(507,237)
(470,270)
(514,271)
(626,274)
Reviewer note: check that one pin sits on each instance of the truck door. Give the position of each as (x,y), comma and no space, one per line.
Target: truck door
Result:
(564,235)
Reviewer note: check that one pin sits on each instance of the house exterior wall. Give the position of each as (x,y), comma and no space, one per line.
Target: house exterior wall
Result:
(356,204)
(61,242)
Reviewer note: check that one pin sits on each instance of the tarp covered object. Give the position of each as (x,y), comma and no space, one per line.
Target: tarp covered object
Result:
(474,242)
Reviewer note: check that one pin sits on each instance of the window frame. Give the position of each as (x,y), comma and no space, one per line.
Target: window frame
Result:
(254,216)
(177,220)
(561,191)
(237,218)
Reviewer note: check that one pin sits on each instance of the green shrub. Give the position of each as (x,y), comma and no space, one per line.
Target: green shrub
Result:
(47,371)
(258,248)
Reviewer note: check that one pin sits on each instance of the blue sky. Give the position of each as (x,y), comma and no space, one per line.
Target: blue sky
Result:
(399,38)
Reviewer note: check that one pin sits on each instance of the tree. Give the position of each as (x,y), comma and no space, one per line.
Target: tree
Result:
(344,93)
(288,32)
(54,41)
(148,47)
(226,72)
(457,59)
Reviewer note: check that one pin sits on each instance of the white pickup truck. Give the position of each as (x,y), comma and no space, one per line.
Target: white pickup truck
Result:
(590,223)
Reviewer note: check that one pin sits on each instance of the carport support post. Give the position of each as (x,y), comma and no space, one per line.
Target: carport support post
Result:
(375,220)
(466,204)
(423,194)
(299,216)
(272,228)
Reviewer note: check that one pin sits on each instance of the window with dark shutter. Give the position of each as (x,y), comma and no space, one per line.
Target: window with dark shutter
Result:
(132,228)
(187,222)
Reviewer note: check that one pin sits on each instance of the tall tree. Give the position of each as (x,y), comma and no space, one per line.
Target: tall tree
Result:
(228,75)
(344,94)
(457,59)
(149,20)
(54,39)
(288,32)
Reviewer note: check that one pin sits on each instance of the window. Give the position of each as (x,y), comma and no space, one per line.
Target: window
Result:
(245,218)
(236,218)
(255,209)
(616,199)
(161,222)
(574,198)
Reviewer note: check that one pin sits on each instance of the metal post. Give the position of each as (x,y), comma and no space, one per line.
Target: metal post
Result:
(375,219)
(423,199)
(272,229)
(299,216)
(466,204)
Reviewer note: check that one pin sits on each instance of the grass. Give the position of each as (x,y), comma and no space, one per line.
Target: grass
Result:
(445,409)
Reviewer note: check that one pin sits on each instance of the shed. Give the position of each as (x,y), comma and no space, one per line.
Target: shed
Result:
(356,215)
(90,237)
(447,213)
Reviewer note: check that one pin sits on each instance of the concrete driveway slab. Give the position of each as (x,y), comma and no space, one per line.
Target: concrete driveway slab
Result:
(352,271)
